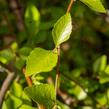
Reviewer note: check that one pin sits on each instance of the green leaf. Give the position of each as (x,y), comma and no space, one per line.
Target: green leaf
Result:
(4,106)
(6,56)
(14,46)
(40,60)
(16,89)
(62,29)
(100,64)
(107,70)
(95,5)
(20,62)
(25,51)
(26,99)
(27,107)
(43,94)
(32,18)
(79,93)
(9,104)
(104,78)
(16,101)
(101,99)
(62,106)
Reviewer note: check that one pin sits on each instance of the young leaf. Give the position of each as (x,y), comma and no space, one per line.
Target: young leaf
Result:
(62,29)
(43,94)
(32,18)
(40,60)
(95,5)
(100,64)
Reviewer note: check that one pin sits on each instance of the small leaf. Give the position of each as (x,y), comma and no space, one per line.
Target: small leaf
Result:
(62,105)
(107,70)
(8,104)
(6,56)
(101,99)
(16,89)
(103,78)
(26,99)
(32,18)
(100,64)
(43,94)
(95,5)
(4,106)
(79,93)
(62,29)
(17,102)
(27,107)
(40,60)
(14,46)
(25,51)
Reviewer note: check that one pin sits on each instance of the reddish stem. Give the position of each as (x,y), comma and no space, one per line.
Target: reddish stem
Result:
(70,5)
(29,82)
(58,51)
(28,79)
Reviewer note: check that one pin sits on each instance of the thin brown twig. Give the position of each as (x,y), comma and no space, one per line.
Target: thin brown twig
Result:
(70,5)
(5,86)
(57,71)
(28,79)
(58,51)
(65,97)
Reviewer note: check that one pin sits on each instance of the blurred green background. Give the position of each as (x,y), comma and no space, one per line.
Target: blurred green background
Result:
(84,62)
